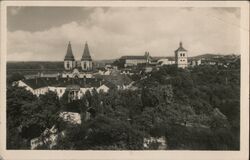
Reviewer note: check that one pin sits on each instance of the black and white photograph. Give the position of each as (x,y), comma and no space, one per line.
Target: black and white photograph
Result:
(124,77)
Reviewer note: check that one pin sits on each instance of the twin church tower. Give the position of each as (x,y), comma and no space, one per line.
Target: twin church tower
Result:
(70,63)
(86,64)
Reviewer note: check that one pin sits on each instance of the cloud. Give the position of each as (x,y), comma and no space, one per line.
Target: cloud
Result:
(117,31)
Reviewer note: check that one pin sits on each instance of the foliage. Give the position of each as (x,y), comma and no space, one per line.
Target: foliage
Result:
(196,108)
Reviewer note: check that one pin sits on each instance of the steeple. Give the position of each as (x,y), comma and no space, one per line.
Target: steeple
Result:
(86,54)
(69,55)
(180,48)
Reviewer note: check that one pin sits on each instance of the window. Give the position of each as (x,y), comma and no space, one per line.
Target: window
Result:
(183,54)
(67,64)
(85,65)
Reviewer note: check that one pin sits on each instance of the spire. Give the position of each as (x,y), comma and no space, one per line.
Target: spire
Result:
(180,44)
(86,54)
(180,48)
(69,55)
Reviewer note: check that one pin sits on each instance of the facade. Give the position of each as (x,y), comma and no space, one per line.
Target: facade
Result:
(75,88)
(181,57)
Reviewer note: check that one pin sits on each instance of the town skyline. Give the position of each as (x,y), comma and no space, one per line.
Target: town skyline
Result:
(103,28)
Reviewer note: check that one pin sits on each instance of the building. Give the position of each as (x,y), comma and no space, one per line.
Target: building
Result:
(181,57)
(75,88)
(74,69)
(165,60)
(135,60)
(195,62)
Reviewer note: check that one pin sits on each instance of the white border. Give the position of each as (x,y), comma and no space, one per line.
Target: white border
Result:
(173,155)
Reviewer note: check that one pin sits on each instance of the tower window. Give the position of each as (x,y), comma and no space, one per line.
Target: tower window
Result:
(67,64)
(85,65)
(183,54)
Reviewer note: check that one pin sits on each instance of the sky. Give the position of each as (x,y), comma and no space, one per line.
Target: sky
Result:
(42,33)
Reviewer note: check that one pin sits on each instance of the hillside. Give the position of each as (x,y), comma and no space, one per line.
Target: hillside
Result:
(195,109)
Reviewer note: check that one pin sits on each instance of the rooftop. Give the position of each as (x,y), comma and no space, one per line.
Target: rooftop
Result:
(180,48)
(69,55)
(86,53)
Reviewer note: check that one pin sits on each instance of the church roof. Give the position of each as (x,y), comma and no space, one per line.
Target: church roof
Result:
(69,55)
(180,48)
(86,53)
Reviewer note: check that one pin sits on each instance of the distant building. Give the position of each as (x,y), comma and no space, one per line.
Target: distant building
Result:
(135,60)
(165,60)
(181,57)
(73,69)
(195,62)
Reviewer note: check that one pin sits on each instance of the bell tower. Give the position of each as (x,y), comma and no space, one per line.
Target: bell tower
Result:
(69,60)
(181,56)
(86,61)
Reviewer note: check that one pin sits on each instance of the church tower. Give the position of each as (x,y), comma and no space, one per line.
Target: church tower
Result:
(86,61)
(69,60)
(181,57)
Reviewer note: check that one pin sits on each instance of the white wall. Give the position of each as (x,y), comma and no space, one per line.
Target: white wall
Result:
(20,83)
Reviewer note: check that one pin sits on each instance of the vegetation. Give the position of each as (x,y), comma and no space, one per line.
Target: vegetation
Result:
(198,108)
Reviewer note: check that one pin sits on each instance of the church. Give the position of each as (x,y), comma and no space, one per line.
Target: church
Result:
(78,69)
(76,78)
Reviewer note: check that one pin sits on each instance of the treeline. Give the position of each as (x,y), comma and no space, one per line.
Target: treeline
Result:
(34,65)
(194,109)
